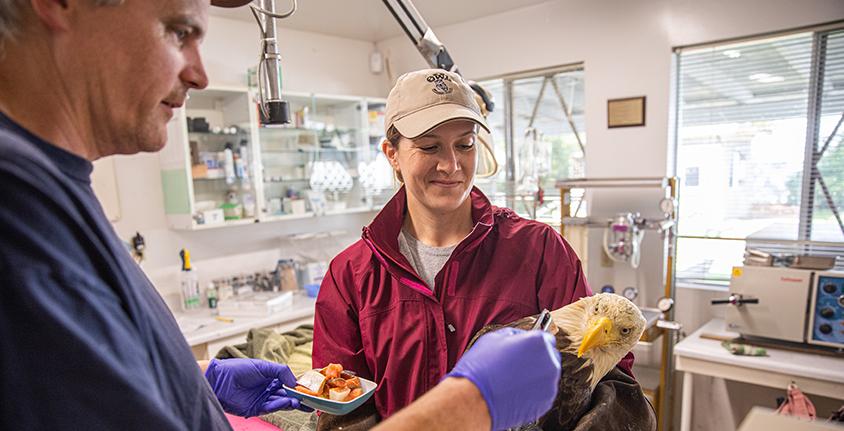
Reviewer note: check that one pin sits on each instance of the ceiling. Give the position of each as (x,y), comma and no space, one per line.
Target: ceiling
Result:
(370,20)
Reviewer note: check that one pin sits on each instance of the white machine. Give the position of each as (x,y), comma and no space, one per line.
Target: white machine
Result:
(796,305)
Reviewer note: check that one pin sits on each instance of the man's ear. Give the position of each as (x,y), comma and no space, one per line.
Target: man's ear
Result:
(55,15)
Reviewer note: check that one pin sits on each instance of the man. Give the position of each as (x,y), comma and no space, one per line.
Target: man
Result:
(87,342)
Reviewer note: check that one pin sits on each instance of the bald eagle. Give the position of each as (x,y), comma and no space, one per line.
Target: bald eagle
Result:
(593,334)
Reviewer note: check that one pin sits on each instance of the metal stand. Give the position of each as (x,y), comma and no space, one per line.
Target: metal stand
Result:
(666,327)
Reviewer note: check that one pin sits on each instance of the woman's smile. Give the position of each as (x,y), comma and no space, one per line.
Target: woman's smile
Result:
(447,183)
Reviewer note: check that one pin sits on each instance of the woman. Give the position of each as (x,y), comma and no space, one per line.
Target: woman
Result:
(439,262)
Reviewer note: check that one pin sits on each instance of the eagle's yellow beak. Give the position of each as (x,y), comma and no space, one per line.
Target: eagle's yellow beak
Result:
(597,335)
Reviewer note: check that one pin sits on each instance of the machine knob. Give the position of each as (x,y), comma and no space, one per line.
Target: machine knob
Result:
(825,328)
(827,312)
(830,288)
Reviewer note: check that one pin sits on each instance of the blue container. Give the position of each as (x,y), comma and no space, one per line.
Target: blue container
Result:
(312,289)
(335,407)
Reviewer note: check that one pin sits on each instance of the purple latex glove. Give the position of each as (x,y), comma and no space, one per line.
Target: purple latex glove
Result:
(517,372)
(252,387)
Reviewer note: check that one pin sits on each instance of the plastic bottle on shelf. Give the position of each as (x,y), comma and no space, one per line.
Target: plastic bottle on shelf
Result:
(248,201)
(211,295)
(189,283)
(232,208)
(238,166)
(243,155)
(228,163)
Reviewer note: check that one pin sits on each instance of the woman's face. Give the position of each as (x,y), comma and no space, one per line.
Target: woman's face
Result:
(438,167)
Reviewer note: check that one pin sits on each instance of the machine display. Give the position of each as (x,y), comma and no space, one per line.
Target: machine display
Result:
(826,313)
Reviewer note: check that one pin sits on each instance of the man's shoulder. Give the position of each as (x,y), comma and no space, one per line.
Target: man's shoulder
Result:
(36,214)
(20,157)
(13,145)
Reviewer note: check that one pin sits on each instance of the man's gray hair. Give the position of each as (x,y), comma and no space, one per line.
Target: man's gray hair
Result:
(10,11)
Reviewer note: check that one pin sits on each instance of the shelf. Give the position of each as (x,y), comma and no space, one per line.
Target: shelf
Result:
(293,151)
(237,180)
(240,133)
(287,217)
(287,180)
(290,129)
(228,223)
(237,184)
(353,210)
(315,150)
(344,150)
(312,131)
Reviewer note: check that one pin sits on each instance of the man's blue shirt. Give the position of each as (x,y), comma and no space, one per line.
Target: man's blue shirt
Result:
(87,342)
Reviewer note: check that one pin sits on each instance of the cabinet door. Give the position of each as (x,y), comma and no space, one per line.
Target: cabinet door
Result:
(207,171)
(313,165)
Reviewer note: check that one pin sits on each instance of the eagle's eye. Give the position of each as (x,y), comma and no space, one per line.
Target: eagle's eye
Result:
(625,331)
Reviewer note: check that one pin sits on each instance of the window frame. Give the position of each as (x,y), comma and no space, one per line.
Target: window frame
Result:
(507,107)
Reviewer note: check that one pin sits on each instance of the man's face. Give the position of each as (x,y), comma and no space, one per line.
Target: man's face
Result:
(138,60)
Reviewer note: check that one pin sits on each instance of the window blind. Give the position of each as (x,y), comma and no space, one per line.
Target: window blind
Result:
(753,122)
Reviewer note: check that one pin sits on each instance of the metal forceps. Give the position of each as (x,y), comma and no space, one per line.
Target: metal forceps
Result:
(543,321)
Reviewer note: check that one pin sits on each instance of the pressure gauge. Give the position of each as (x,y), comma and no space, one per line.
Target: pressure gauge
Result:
(630,293)
(667,205)
(664,304)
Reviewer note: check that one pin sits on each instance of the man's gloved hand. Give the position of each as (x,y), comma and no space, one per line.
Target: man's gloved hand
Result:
(252,387)
(517,372)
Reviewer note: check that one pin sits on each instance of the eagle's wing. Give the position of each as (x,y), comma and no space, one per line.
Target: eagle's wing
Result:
(574,392)
(618,404)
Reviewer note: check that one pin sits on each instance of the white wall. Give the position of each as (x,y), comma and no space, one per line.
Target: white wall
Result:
(311,63)
(626,47)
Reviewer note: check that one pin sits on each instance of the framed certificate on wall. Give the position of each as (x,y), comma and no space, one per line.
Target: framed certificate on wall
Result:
(628,112)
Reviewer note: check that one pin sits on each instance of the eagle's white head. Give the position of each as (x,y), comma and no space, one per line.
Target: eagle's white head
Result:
(602,328)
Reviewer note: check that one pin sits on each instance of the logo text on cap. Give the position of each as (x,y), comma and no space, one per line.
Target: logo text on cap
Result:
(440,87)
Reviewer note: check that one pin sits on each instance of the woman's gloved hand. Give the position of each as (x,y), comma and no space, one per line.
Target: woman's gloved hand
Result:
(516,371)
(252,387)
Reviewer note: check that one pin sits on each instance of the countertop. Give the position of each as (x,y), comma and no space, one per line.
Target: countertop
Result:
(199,326)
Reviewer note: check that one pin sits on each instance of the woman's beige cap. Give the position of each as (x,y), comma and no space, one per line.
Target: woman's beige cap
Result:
(424,99)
